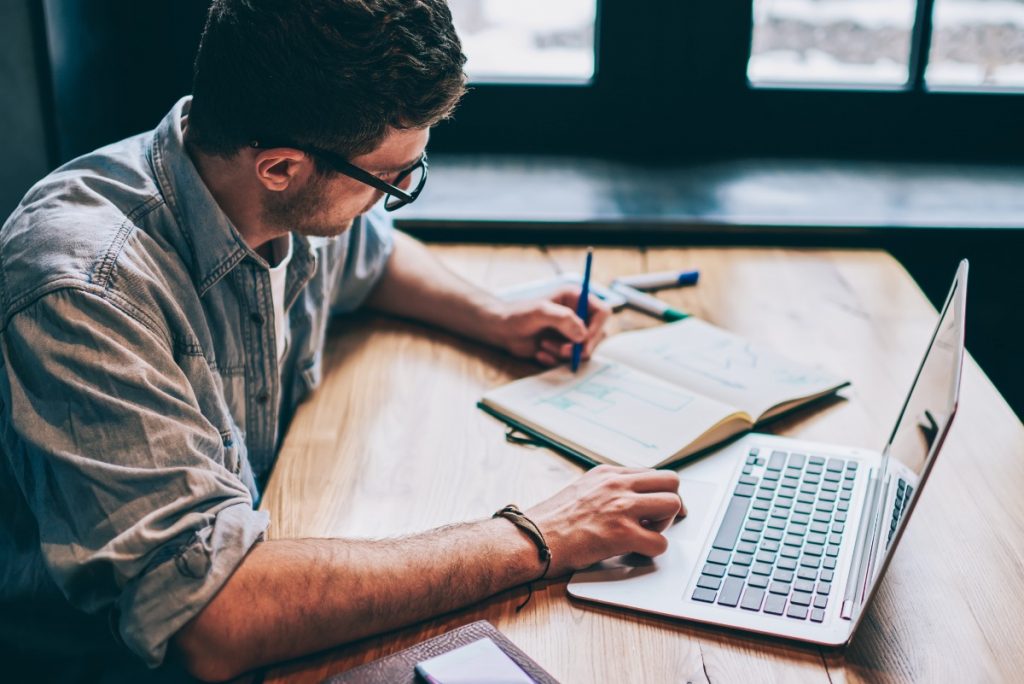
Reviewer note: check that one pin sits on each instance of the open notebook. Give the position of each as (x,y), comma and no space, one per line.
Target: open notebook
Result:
(655,396)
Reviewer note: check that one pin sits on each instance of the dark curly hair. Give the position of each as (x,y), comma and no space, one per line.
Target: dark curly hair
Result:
(330,74)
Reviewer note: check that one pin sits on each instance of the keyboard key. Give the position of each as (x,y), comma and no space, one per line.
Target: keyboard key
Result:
(805,498)
(824,587)
(835,539)
(729,530)
(797,460)
(764,494)
(709,582)
(750,537)
(765,557)
(793,540)
(820,601)
(827,496)
(852,465)
(809,574)
(814,470)
(738,570)
(832,550)
(832,477)
(805,586)
(748,480)
(705,595)
(845,496)
(759,581)
(786,493)
(781,588)
(838,528)
(760,505)
(752,525)
(784,503)
(840,516)
(803,508)
(777,460)
(812,479)
(743,559)
(824,507)
(826,575)
(789,552)
(769,485)
(822,516)
(730,593)
(843,506)
(783,576)
(747,469)
(719,557)
(814,549)
(829,563)
(761,569)
(744,490)
(774,604)
(799,519)
(850,475)
(798,612)
(780,513)
(776,524)
(774,535)
(810,561)
(746,547)
(752,598)
(808,488)
(817,461)
(759,515)
(834,464)
(769,545)
(787,563)
(713,569)
(817,615)
(759,462)
(814,538)
(798,598)
(791,482)
(830,487)
(847,485)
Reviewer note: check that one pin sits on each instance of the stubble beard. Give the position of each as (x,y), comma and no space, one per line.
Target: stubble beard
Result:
(305,212)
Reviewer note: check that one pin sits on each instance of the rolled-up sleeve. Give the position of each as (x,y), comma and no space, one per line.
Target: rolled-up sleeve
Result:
(363,254)
(137,514)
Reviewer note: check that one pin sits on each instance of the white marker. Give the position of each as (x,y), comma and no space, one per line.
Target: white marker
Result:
(656,281)
(647,303)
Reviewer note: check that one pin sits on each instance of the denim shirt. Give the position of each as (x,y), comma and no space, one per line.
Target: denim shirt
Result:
(142,398)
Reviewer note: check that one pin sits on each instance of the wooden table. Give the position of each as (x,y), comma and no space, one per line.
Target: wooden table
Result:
(391,444)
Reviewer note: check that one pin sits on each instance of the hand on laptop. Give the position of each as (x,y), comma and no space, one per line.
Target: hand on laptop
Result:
(545,329)
(609,511)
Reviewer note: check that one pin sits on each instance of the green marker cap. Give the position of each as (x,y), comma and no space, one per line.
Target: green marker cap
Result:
(674,315)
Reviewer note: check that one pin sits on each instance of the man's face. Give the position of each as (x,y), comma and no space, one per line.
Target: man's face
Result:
(326,204)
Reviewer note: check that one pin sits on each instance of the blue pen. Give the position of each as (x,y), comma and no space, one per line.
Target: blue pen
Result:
(657,281)
(581,307)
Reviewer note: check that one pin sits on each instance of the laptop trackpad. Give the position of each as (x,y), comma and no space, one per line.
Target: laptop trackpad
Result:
(701,499)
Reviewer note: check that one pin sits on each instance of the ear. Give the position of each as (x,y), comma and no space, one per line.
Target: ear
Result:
(280,167)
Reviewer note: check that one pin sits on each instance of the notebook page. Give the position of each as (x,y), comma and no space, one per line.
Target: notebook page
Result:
(611,410)
(716,363)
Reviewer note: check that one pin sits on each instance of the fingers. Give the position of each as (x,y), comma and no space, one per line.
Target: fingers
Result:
(648,542)
(659,506)
(654,481)
(564,320)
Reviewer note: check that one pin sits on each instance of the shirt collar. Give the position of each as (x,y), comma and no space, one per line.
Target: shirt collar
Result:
(216,245)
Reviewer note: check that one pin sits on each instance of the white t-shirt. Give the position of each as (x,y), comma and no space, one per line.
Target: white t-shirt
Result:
(282,255)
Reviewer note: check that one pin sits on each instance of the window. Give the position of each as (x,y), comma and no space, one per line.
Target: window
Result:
(527,40)
(977,43)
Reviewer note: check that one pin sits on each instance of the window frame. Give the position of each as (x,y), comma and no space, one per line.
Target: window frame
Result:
(671,82)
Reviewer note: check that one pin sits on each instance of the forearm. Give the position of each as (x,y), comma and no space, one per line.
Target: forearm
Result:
(418,286)
(289,598)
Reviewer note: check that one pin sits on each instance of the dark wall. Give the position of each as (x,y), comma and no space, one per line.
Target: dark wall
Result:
(24,121)
(118,65)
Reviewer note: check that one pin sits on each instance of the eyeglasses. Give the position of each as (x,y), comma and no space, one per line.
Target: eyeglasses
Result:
(416,174)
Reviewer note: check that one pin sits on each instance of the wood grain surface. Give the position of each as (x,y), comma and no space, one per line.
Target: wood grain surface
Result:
(392,443)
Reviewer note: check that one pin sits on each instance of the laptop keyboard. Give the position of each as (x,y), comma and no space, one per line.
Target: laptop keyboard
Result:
(775,551)
(903,492)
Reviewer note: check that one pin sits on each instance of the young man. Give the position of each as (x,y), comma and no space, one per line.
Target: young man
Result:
(165,301)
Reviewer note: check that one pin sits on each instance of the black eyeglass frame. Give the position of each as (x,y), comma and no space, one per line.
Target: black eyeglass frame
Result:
(397,198)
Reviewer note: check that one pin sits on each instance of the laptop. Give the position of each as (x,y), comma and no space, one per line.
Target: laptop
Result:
(791,538)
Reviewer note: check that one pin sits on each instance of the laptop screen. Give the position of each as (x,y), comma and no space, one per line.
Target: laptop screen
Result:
(922,423)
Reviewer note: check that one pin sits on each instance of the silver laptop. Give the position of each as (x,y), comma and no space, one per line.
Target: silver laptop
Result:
(788,537)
